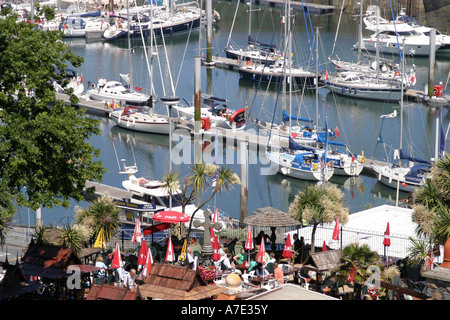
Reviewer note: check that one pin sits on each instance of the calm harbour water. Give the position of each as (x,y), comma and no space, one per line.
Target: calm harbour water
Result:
(358,121)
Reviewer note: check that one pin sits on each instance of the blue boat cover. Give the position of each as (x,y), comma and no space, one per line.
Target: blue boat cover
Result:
(286,117)
(406,157)
(252,40)
(295,146)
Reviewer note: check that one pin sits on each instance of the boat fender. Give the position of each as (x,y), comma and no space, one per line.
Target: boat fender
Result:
(343,89)
(397,73)
(363,158)
(315,166)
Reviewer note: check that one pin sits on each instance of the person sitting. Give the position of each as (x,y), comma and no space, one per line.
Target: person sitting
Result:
(129,280)
(224,263)
(261,272)
(100,264)
(278,273)
(240,258)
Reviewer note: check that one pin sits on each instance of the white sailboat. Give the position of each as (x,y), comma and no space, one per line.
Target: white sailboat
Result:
(299,161)
(403,178)
(256,51)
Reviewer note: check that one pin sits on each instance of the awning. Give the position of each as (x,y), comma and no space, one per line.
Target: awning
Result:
(156,228)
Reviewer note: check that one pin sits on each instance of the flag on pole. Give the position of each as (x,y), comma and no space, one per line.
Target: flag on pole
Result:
(215,244)
(287,251)
(101,241)
(336,230)
(170,256)
(148,263)
(387,237)
(249,241)
(215,216)
(142,259)
(137,235)
(117,258)
(261,252)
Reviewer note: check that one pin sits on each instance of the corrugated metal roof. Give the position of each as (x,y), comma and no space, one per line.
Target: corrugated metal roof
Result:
(291,292)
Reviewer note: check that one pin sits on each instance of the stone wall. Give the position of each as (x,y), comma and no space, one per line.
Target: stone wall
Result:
(438,283)
(438,18)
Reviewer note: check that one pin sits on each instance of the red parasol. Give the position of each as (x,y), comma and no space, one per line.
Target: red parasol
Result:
(324,246)
(387,237)
(287,251)
(215,244)
(215,216)
(336,230)
(156,228)
(249,242)
(117,258)
(137,235)
(170,255)
(143,253)
(261,252)
(171,217)
(148,263)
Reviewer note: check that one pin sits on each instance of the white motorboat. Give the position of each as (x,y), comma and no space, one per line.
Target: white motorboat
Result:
(391,34)
(215,113)
(115,92)
(75,83)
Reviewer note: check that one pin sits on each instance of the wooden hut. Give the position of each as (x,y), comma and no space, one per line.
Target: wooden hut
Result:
(172,282)
(108,292)
(15,284)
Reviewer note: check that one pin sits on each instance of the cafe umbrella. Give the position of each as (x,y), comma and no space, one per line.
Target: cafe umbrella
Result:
(170,216)
(287,251)
(249,245)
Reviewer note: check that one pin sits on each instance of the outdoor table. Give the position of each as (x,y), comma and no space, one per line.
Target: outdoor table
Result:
(260,281)
(242,268)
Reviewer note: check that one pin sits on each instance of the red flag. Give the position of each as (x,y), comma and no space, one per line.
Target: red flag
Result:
(249,241)
(215,216)
(138,88)
(337,132)
(336,230)
(387,237)
(287,251)
(117,258)
(215,244)
(170,256)
(324,246)
(81,78)
(142,259)
(261,252)
(148,263)
(137,235)
(326,74)
(294,135)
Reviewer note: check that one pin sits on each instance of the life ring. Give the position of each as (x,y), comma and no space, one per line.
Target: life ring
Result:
(397,73)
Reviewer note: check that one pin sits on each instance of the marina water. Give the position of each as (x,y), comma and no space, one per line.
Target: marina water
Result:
(358,121)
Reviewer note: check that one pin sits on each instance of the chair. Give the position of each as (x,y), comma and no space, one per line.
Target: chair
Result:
(303,277)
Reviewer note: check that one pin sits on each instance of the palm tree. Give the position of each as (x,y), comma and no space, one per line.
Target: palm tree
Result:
(200,177)
(101,214)
(431,212)
(318,204)
(71,238)
(359,258)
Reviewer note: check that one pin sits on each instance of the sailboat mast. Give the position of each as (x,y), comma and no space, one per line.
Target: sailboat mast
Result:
(401,121)
(360,39)
(129,50)
(290,64)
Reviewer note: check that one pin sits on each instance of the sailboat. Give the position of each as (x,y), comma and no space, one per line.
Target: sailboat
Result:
(375,67)
(403,178)
(256,51)
(299,161)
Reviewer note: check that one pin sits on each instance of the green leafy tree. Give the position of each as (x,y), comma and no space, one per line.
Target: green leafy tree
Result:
(46,156)
(318,204)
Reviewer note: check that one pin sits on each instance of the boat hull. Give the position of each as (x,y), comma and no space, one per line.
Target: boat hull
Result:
(141,123)
(276,78)
(366,93)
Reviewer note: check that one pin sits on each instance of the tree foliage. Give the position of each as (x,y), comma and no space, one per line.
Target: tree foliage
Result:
(318,204)
(45,154)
